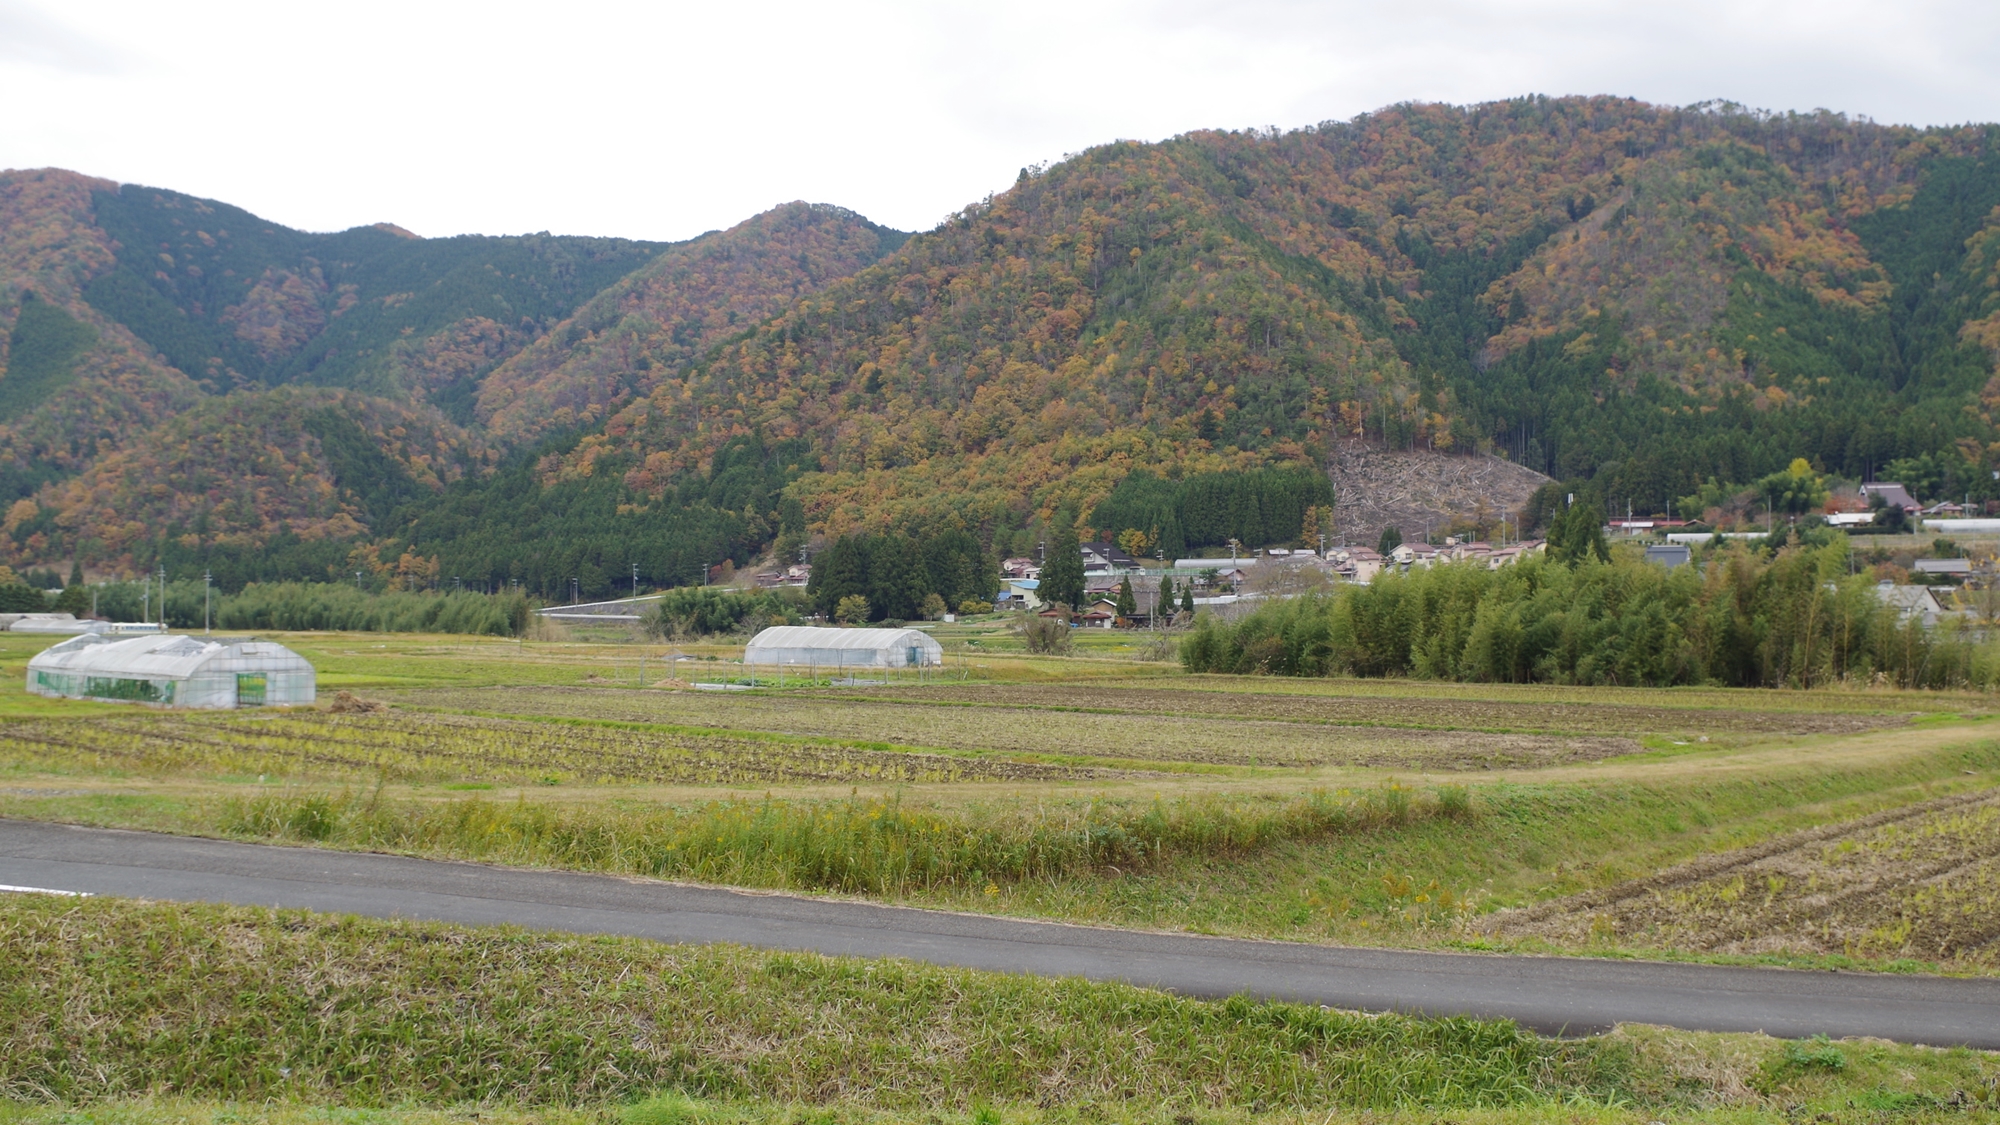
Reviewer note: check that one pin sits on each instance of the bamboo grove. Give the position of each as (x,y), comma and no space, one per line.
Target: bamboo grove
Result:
(1738,617)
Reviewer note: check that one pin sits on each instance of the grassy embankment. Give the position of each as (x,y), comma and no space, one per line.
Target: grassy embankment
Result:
(1382,812)
(275,1011)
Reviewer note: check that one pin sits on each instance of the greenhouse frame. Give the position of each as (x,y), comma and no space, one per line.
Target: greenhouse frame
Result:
(834,650)
(173,671)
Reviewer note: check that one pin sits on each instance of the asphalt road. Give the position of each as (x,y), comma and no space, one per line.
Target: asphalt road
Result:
(1548,994)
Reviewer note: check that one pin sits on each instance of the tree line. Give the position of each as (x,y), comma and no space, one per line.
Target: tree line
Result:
(896,577)
(1256,508)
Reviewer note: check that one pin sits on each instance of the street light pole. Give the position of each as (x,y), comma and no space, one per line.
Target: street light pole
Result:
(206,580)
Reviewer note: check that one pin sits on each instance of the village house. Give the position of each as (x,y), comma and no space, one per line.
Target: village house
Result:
(1669,555)
(1019,593)
(1100,614)
(1960,569)
(1891,494)
(1357,564)
(1408,555)
(1106,558)
(1020,568)
(1912,603)
(798,574)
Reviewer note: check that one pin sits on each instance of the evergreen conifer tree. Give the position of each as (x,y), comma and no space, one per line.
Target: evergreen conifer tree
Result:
(1164,604)
(1392,538)
(1128,606)
(1187,598)
(1578,534)
(1062,571)
(840,572)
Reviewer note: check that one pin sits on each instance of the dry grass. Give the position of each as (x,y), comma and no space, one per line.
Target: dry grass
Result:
(1919,882)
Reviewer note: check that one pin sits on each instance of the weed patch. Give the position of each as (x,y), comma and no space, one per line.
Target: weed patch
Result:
(861,844)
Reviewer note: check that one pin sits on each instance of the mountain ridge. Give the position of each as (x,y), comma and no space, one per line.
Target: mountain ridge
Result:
(1634,299)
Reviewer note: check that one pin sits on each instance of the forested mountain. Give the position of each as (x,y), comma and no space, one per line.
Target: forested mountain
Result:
(1634,299)
(1609,292)
(663,316)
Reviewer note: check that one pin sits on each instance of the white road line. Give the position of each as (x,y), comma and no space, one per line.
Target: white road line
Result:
(5,889)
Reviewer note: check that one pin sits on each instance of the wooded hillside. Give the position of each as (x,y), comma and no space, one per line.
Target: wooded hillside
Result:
(1634,299)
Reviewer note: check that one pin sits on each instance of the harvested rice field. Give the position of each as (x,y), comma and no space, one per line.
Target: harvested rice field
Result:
(1414,711)
(1920,882)
(1129,738)
(405,746)
(1496,809)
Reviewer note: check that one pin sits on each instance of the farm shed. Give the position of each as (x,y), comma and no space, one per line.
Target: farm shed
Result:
(804,646)
(172,671)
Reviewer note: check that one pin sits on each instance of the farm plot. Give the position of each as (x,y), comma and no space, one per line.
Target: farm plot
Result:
(1922,881)
(1113,738)
(1454,713)
(419,747)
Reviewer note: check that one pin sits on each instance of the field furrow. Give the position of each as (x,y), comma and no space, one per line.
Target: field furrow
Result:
(1921,881)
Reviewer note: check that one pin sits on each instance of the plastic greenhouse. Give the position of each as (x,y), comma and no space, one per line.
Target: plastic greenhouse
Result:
(173,671)
(803,647)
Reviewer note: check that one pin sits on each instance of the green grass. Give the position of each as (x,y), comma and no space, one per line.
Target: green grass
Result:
(1871,1108)
(122,1011)
(109,998)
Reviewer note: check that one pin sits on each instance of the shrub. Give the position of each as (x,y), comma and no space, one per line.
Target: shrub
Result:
(19,597)
(696,611)
(1049,636)
(337,606)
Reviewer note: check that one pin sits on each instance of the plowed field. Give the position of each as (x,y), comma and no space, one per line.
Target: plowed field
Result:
(1919,882)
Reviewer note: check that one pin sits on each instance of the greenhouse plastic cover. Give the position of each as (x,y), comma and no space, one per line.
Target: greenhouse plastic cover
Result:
(804,644)
(163,656)
(184,671)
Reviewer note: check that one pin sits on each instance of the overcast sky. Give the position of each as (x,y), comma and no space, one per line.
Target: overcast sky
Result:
(662,120)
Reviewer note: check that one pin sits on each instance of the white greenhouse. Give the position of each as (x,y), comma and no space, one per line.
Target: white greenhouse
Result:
(820,651)
(173,671)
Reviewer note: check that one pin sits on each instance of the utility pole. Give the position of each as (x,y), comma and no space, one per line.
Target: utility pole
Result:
(163,597)
(635,580)
(206,580)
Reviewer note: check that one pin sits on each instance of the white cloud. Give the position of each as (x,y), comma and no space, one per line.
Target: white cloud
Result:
(30,38)
(662,120)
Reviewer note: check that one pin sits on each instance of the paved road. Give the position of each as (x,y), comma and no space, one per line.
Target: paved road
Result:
(1549,994)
